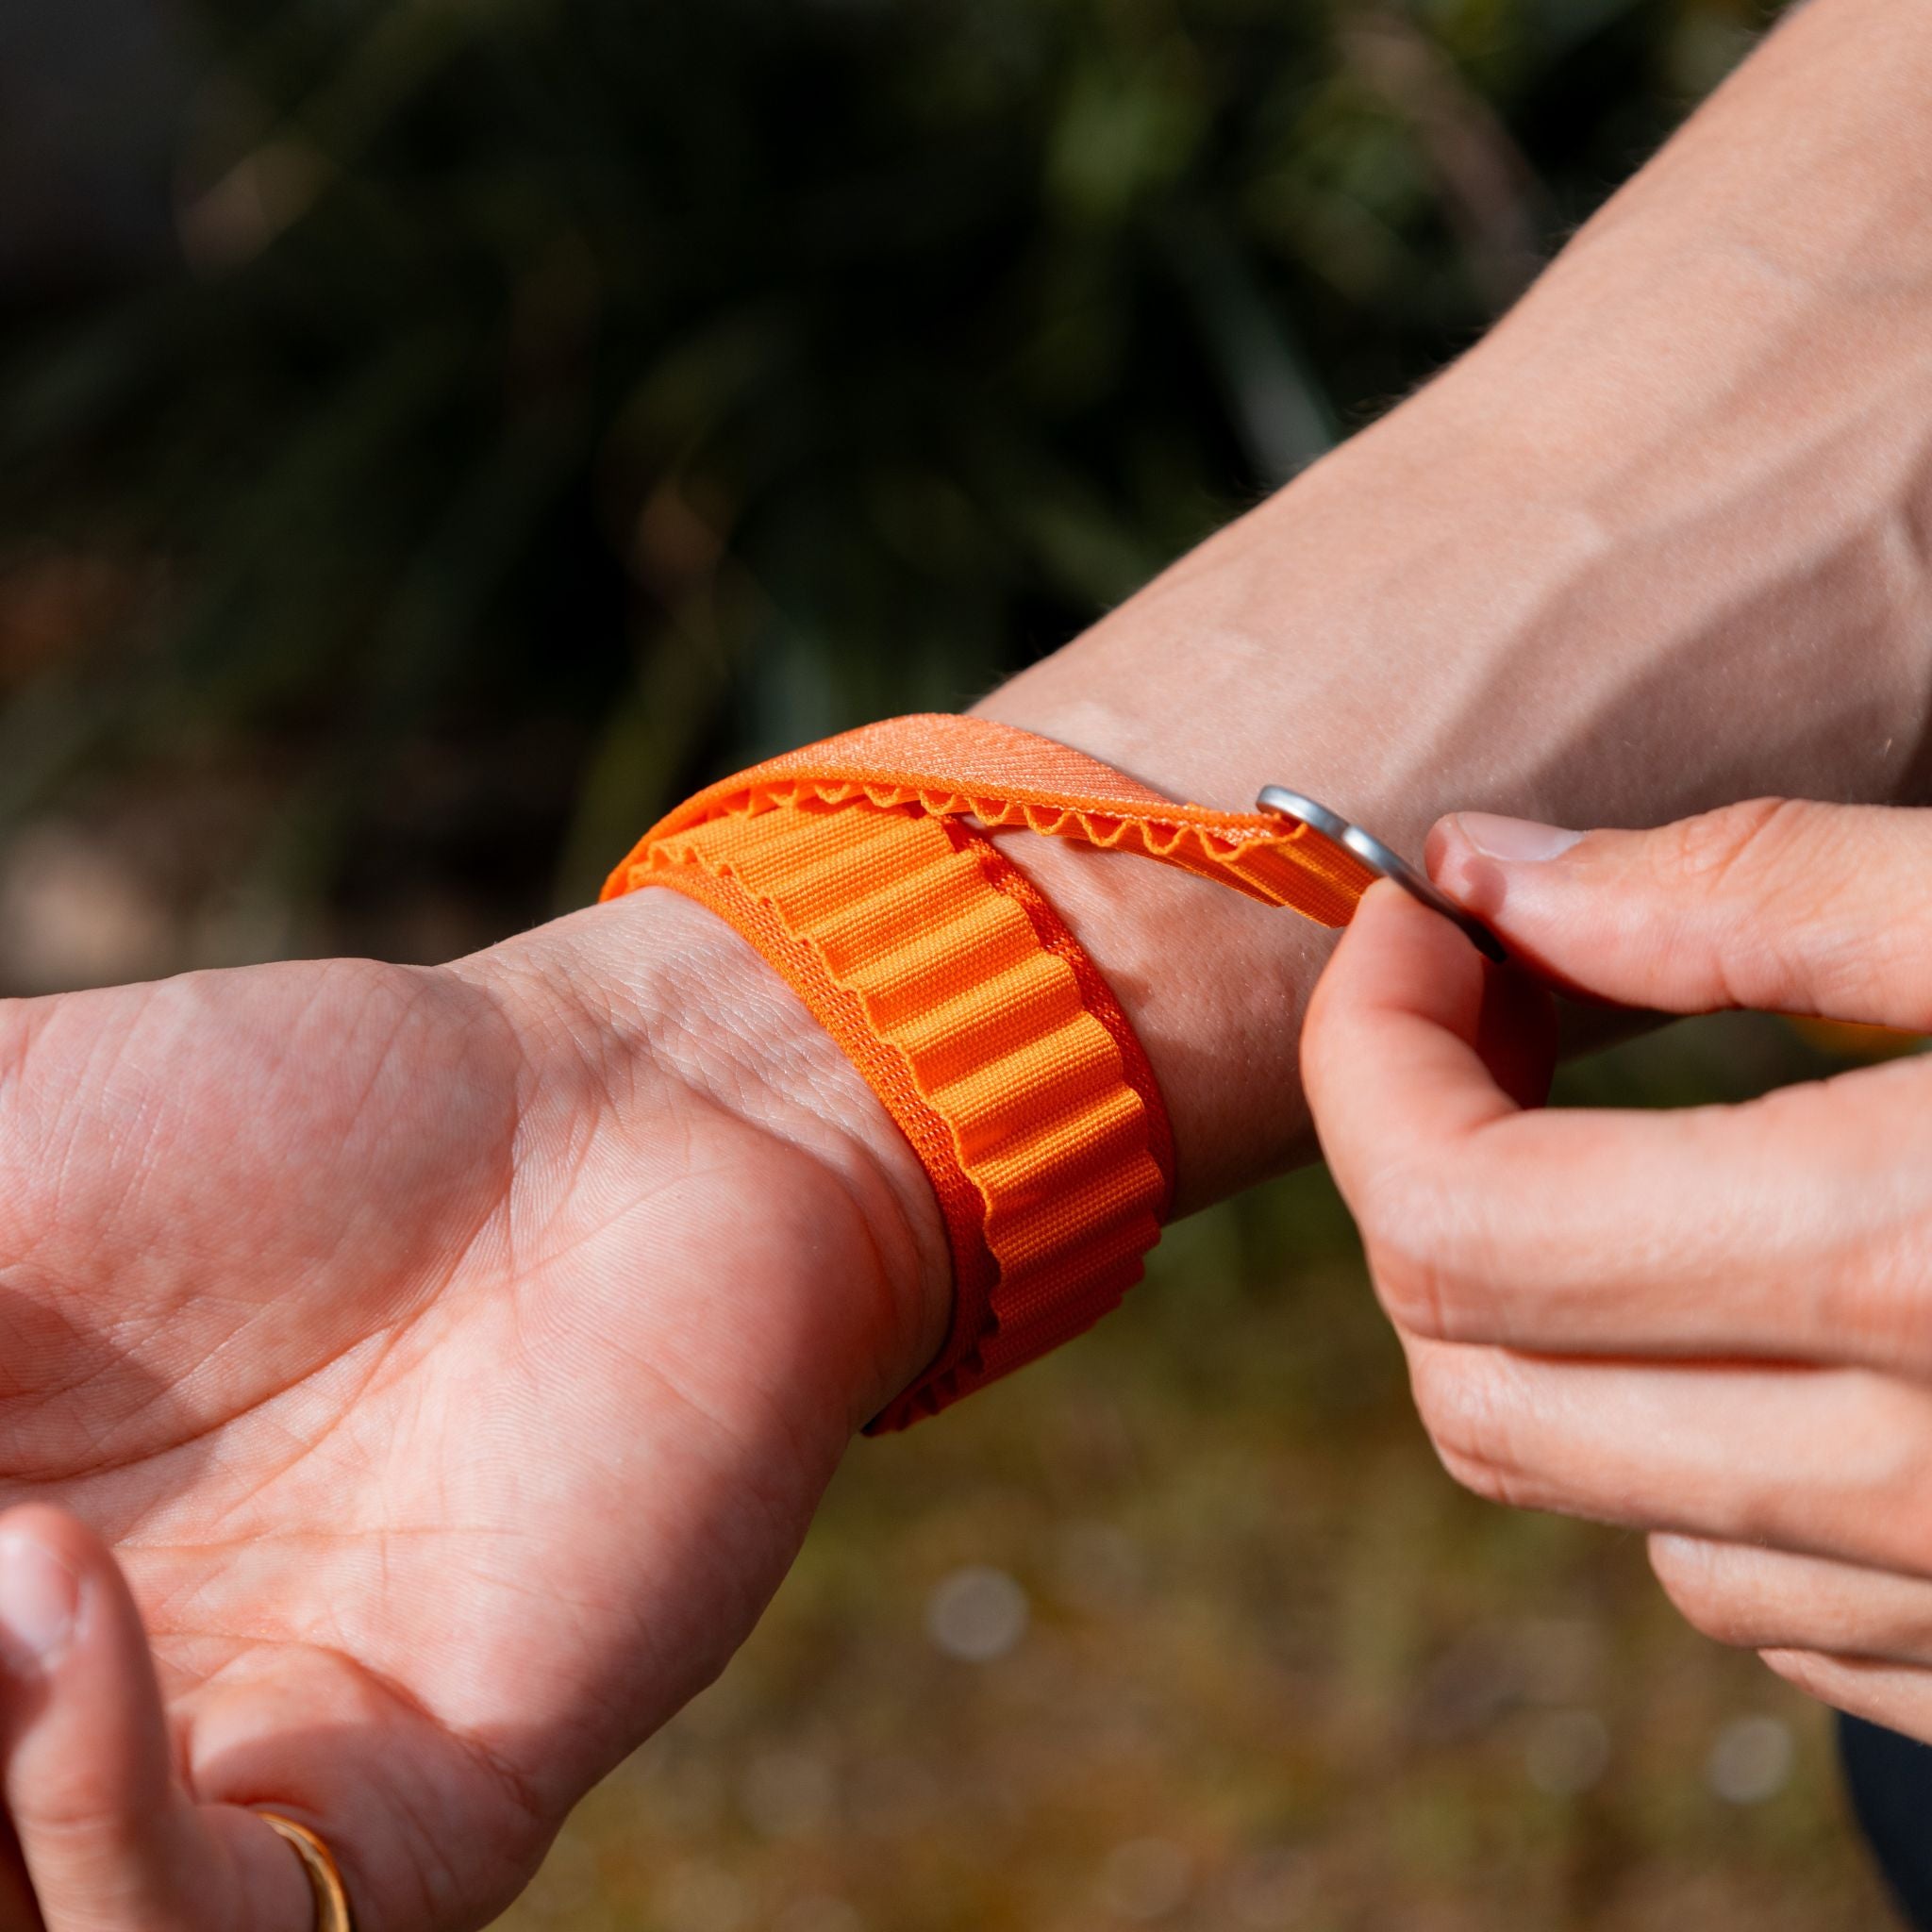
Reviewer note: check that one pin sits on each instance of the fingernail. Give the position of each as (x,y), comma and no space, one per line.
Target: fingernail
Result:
(39,1598)
(1513,841)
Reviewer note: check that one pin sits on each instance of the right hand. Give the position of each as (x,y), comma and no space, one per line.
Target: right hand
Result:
(1714,1323)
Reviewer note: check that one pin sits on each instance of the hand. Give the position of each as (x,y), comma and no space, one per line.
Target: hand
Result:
(452,1360)
(1713,1324)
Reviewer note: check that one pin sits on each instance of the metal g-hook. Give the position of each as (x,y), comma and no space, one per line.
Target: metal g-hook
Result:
(1379,858)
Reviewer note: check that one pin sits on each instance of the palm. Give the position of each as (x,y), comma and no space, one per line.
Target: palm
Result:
(450,1432)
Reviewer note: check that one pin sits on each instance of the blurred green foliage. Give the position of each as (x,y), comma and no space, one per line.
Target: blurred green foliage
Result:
(574,396)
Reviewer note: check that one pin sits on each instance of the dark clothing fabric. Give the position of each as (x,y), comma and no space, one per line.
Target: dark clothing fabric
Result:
(1891,1780)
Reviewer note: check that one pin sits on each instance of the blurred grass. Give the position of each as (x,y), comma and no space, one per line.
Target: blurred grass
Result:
(536,406)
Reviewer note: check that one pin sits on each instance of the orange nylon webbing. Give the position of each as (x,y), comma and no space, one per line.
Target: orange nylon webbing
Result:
(861,870)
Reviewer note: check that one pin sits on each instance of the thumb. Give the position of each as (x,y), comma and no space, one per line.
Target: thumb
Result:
(109,1837)
(1778,904)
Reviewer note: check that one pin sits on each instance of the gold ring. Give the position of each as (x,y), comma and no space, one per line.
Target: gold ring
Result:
(324,1881)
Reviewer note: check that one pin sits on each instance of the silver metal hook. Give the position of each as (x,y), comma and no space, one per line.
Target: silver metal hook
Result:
(1379,858)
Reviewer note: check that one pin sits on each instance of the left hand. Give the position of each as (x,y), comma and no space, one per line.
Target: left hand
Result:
(414,1382)
(1714,1324)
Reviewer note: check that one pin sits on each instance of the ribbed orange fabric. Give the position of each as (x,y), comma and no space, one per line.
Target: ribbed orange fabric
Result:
(860,868)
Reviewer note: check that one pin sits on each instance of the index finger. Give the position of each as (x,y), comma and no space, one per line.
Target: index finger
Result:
(1788,1227)
(109,1835)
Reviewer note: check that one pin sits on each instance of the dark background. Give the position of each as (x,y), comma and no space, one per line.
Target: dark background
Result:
(436,434)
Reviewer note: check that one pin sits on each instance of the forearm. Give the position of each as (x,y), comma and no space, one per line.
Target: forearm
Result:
(1657,543)
(1653,546)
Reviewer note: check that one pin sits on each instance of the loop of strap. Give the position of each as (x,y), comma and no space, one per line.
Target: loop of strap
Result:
(861,870)
(956,767)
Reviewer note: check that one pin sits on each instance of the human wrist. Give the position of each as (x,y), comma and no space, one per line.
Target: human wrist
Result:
(643,1008)
(1441,616)
(1652,545)
(1329,640)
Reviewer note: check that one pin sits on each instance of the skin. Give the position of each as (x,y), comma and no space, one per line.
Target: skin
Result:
(444,1364)
(453,1366)
(1708,1324)
(1659,542)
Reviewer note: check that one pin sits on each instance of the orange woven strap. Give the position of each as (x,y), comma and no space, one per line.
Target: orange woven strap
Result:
(860,868)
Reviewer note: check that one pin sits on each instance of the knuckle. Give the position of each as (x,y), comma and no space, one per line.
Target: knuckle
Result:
(1870,1303)
(1900,1512)
(1487,1480)
(1875,1486)
(1713,848)
(77,1817)
(1410,1231)
(1700,1583)
(1414,1293)
(1463,1403)
(1808,1671)
(1785,870)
